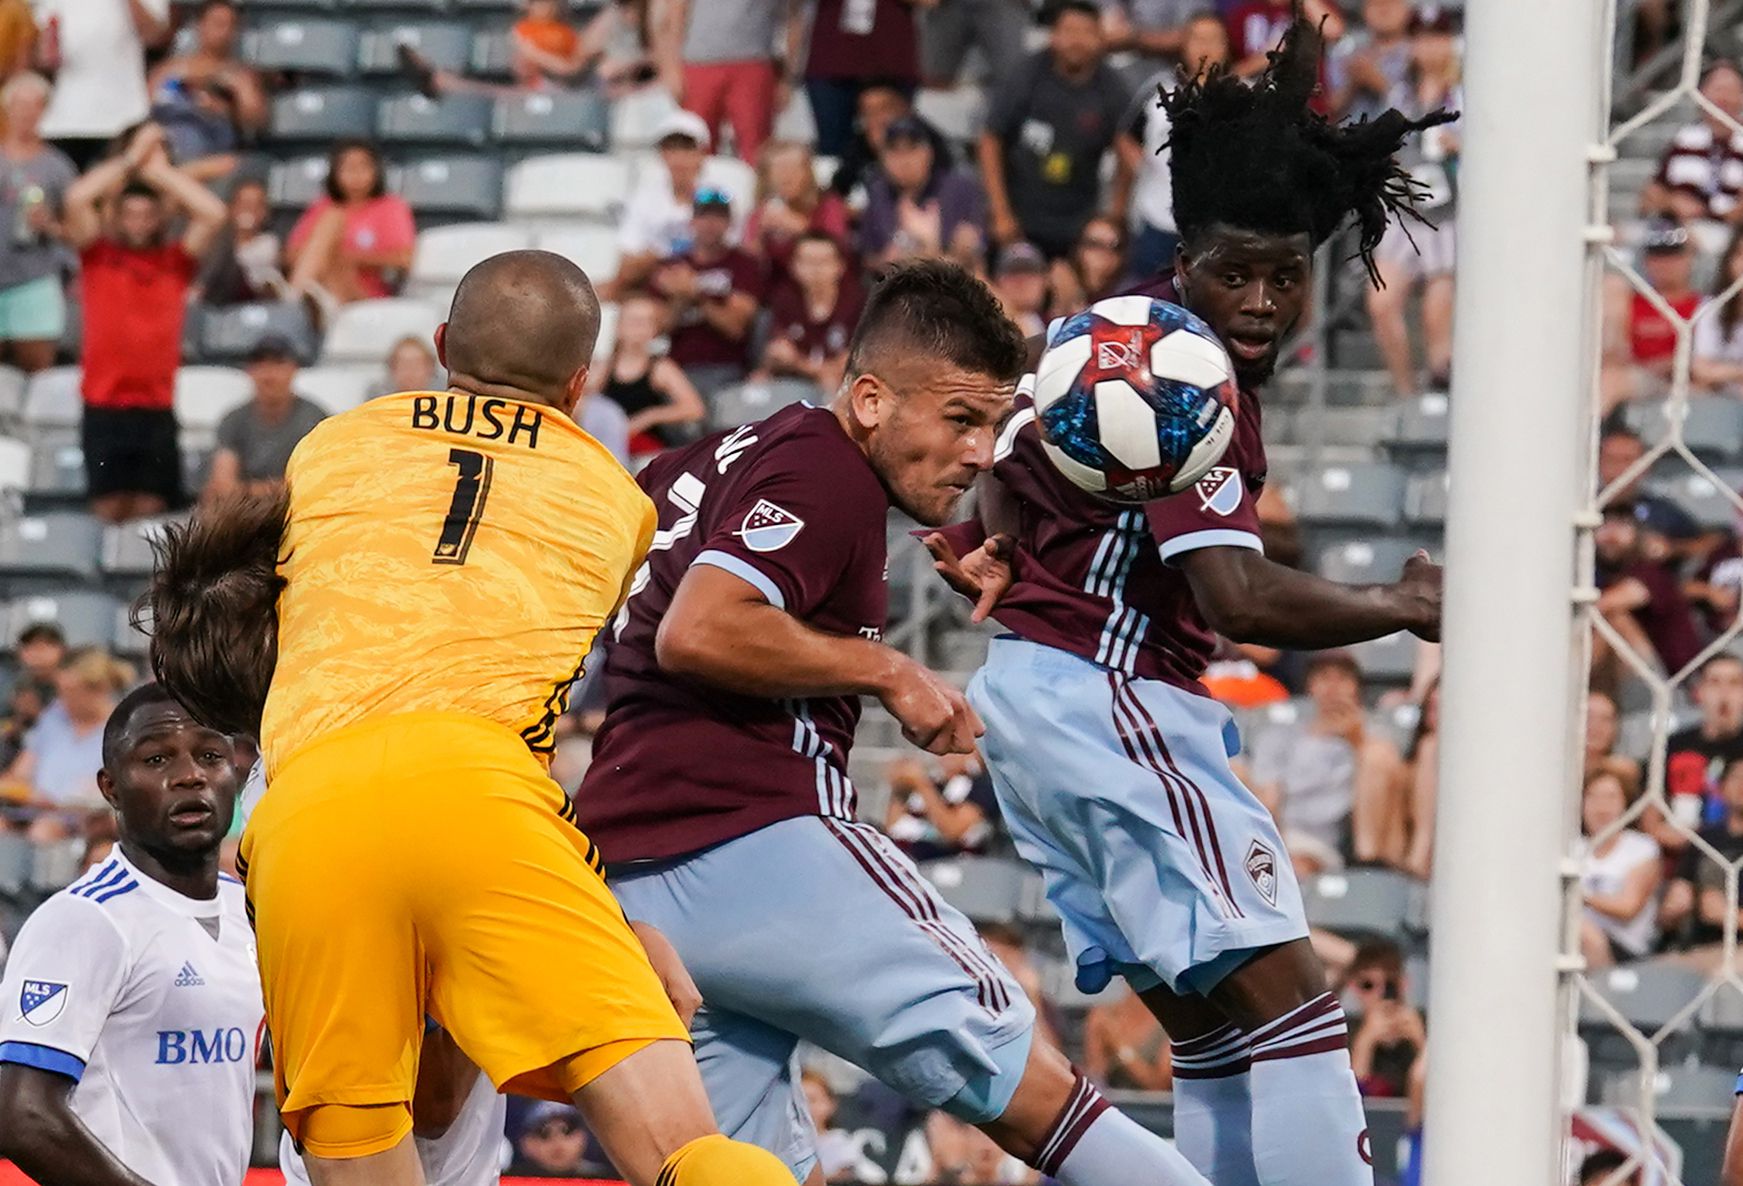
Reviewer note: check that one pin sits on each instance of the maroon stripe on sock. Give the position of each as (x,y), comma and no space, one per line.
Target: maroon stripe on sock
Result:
(1081,1111)
(1325,1045)
(1300,1016)
(1226,1070)
(1204,1042)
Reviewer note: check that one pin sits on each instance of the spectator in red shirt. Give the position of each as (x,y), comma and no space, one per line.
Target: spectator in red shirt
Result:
(1256,26)
(355,240)
(712,293)
(856,44)
(135,285)
(1696,757)
(789,204)
(1639,341)
(811,320)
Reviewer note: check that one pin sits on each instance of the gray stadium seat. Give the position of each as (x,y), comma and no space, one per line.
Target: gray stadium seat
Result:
(743,402)
(1672,1087)
(986,889)
(1364,561)
(444,254)
(324,114)
(463,185)
(338,388)
(1391,659)
(417,119)
(294,184)
(58,544)
(636,116)
(305,46)
(1723,1010)
(364,331)
(1697,494)
(1367,493)
(57,466)
(593,248)
(1647,995)
(491,56)
(126,550)
(397,5)
(559,118)
(14,464)
(87,619)
(52,400)
(16,856)
(1714,428)
(12,381)
(581,184)
(446,44)
(205,394)
(231,332)
(957,112)
(1421,424)
(1425,499)
(56,866)
(1375,900)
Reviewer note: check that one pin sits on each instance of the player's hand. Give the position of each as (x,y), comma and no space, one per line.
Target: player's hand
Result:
(686,998)
(934,713)
(983,576)
(1419,591)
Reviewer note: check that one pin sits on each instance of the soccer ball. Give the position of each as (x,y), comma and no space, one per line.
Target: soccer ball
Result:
(1135,398)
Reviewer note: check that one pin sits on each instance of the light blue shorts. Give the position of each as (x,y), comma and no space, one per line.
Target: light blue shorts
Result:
(1163,866)
(35,311)
(823,930)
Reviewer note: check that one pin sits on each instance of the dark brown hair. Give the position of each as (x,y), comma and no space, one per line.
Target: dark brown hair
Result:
(212,609)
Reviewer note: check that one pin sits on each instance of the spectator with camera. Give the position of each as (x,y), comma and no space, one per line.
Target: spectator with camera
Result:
(242,266)
(33,309)
(790,205)
(712,292)
(1387,1032)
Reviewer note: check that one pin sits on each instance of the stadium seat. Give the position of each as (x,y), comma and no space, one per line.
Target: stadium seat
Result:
(230,333)
(324,114)
(418,119)
(14,464)
(12,381)
(17,854)
(55,544)
(295,184)
(743,402)
(337,388)
(593,248)
(56,866)
(1647,995)
(52,400)
(1723,1011)
(578,184)
(1425,499)
(1711,506)
(205,394)
(1673,1087)
(398,5)
(444,254)
(87,619)
(126,547)
(57,466)
(1714,428)
(558,119)
(1390,660)
(796,122)
(636,116)
(1365,900)
(446,44)
(1366,494)
(303,46)
(491,56)
(281,6)
(737,178)
(453,185)
(958,112)
(986,889)
(1421,424)
(364,331)
(1365,561)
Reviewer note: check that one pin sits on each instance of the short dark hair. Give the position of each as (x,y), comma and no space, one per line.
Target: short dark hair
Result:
(1332,661)
(1054,9)
(137,189)
(115,728)
(935,307)
(1599,1167)
(340,148)
(41,632)
(1383,954)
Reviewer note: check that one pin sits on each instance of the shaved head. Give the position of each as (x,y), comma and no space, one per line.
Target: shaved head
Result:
(522,320)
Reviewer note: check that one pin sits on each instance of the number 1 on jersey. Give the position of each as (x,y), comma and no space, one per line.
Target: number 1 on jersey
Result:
(471,488)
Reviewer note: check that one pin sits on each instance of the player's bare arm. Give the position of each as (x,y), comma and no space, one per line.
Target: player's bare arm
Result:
(1248,598)
(720,630)
(42,1136)
(1732,1174)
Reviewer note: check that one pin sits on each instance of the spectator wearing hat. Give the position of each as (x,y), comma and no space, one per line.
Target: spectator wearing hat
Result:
(135,281)
(656,220)
(1639,341)
(1619,449)
(856,44)
(723,53)
(1422,254)
(916,206)
(33,308)
(552,1141)
(712,291)
(1046,132)
(812,319)
(255,440)
(1020,283)
(1700,175)
(879,106)
(1640,597)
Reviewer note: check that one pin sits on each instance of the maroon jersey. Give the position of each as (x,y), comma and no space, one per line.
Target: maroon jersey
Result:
(791,506)
(1096,578)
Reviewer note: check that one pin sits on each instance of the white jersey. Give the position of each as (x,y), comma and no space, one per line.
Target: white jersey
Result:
(150,1002)
(468,1154)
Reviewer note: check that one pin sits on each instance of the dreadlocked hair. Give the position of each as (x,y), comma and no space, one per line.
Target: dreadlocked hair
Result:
(212,609)
(1256,157)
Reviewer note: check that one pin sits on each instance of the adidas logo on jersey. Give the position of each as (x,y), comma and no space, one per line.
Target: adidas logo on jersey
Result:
(188,978)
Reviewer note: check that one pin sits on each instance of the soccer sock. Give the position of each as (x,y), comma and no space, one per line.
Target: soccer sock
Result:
(1213,1106)
(718,1161)
(1308,1128)
(1093,1144)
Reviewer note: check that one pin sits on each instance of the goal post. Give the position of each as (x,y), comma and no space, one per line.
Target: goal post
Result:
(1520,448)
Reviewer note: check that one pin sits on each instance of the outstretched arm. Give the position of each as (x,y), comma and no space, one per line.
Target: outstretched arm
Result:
(1248,598)
(1732,1174)
(40,1133)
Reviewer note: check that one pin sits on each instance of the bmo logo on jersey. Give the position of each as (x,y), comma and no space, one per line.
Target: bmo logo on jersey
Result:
(197,1047)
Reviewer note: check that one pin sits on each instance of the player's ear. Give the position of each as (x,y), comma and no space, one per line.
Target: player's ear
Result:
(106,788)
(868,399)
(442,344)
(1182,264)
(573,390)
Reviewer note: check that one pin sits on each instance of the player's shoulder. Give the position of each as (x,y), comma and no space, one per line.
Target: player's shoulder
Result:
(93,908)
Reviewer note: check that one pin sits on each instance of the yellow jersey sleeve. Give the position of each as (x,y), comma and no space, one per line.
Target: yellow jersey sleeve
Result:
(446,553)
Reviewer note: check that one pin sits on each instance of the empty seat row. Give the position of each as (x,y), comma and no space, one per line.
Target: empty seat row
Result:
(86,618)
(578,119)
(76,546)
(444,254)
(202,395)
(341,48)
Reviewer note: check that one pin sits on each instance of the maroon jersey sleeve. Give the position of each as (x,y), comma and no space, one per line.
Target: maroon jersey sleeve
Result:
(789,533)
(1220,511)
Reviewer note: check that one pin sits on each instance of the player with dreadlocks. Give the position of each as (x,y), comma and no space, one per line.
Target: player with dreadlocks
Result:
(1111,763)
